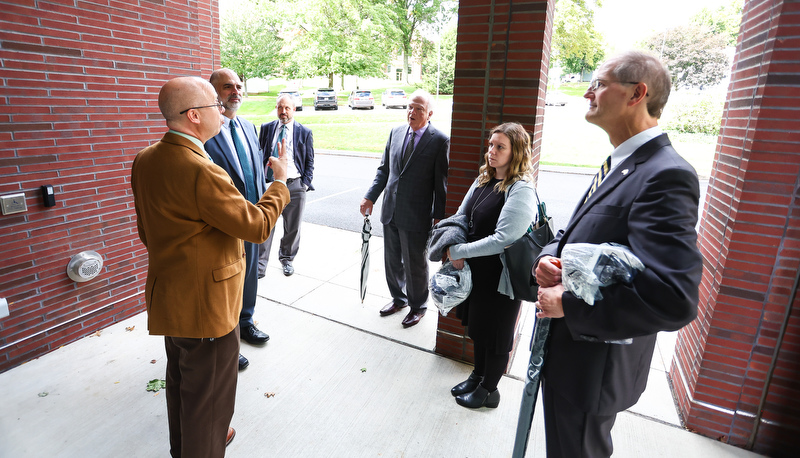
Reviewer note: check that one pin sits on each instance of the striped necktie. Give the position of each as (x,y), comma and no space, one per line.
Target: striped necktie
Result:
(598,177)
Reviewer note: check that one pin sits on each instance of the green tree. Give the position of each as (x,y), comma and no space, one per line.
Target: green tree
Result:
(442,64)
(576,45)
(344,37)
(694,55)
(249,41)
(725,20)
(413,14)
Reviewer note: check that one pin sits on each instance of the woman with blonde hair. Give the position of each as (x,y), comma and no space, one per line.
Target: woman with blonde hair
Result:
(499,206)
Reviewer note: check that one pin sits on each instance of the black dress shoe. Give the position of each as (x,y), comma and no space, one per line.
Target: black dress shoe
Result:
(253,336)
(231,435)
(391,308)
(243,362)
(481,397)
(288,269)
(413,318)
(468,385)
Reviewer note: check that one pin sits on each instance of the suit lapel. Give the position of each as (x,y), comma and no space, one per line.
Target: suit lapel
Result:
(398,138)
(626,169)
(295,143)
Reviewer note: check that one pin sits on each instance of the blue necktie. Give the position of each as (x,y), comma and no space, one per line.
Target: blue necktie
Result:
(247,168)
(281,136)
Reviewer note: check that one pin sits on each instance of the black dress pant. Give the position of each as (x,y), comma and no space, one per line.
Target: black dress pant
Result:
(571,432)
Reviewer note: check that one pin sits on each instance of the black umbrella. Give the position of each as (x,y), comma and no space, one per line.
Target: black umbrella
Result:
(541,329)
(366,233)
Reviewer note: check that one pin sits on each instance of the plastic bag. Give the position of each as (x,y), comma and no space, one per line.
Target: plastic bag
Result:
(450,286)
(586,267)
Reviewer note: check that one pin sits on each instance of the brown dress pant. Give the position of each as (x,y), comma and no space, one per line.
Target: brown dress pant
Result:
(201,392)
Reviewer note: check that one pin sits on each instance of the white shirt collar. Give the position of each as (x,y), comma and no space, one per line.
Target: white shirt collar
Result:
(629,146)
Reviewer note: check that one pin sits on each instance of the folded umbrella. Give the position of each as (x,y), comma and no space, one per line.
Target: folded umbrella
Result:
(366,233)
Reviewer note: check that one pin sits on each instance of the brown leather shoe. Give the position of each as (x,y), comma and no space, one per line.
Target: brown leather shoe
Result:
(391,308)
(229,438)
(413,318)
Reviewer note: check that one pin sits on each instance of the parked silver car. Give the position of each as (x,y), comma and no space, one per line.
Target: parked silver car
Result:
(361,99)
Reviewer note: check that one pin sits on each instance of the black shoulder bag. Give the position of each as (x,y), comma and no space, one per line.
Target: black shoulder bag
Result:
(521,254)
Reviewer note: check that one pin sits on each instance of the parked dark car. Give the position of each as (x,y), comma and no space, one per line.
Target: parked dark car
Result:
(325,98)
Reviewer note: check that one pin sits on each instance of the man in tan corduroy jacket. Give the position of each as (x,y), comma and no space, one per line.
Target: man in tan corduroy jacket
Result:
(192,220)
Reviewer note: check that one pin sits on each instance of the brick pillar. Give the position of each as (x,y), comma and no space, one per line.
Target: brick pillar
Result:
(736,351)
(501,75)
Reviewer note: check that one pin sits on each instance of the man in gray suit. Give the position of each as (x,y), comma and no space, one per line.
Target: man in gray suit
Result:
(413,172)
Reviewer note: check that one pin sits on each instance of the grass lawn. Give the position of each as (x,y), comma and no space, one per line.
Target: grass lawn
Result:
(573,89)
(567,138)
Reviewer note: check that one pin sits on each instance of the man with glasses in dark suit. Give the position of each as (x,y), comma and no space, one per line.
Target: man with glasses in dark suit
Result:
(644,197)
(192,220)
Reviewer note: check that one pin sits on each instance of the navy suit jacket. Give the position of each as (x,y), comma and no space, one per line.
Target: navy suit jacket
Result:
(416,194)
(223,156)
(649,202)
(303,141)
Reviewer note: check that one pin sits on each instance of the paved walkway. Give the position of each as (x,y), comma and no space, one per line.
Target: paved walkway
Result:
(335,380)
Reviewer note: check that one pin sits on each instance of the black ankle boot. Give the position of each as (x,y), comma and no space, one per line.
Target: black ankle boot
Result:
(481,397)
(468,385)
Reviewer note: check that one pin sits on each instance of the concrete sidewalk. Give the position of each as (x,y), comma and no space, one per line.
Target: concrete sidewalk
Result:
(335,380)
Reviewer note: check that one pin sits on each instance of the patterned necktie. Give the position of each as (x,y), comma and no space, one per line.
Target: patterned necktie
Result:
(281,136)
(409,149)
(247,168)
(598,177)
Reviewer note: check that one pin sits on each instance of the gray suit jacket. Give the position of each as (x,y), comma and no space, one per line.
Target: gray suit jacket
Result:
(415,195)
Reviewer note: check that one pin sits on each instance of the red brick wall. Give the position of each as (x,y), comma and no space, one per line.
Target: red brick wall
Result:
(750,239)
(501,75)
(80,81)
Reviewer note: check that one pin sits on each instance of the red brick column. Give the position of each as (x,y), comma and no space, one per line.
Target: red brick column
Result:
(746,340)
(501,75)
(79,91)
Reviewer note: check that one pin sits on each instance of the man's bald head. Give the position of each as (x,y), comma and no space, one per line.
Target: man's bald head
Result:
(183,92)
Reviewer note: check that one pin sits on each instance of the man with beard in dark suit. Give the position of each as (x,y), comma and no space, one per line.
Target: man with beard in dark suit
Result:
(236,150)
(300,150)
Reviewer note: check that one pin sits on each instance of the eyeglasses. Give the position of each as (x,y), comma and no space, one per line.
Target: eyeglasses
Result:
(219,106)
(595,84)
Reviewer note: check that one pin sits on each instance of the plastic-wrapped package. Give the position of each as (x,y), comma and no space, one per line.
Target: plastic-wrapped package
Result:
(450,286)
(586,267)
